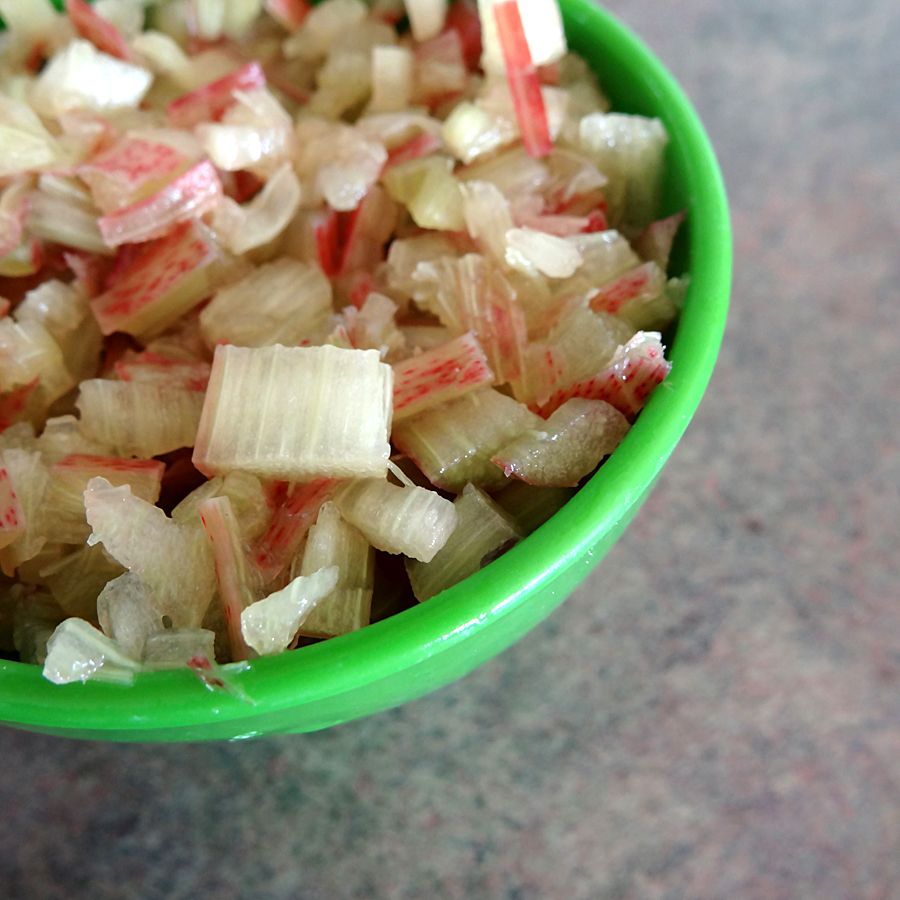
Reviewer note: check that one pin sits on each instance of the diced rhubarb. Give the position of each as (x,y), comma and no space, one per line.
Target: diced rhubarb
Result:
(67,220)
(326,23)
(626,383)
(102,33)
(292,517)
(522,77)
(429,191)
(440,69)
(296,413)
(174,648)
(568,446)
(238,582)
(166,371)
(392,78)
(174,561)
(484,531)
(270,624)
(409,520)
(188,197)
(529,250)
(364,231)
(439,375)
(77,652)
(69,478)
(64,436)
(373,327)
(531,506)
(13,207)
(139,419)
(453,443)
(423,144)
(426,17)
(208,103)
(12,519)
(34,620)
(157,283)
(77,579)
(639,297)
(127,613)
(462,17)
(288,13)
(334,542)
(654,243)
(326,231)
(247,496)
(28,352)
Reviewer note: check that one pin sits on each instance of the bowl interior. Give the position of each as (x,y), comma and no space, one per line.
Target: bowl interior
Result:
(427,646)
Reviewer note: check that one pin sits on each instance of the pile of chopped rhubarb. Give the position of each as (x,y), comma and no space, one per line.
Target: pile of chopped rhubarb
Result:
(306,313)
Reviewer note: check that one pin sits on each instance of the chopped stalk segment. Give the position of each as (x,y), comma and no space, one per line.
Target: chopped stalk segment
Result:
(427,188)
(70,221)
(173,560)
(522,77)
(28,352)
(638,297)
(12,519)
(282,302)
(269,625)
(409,520)
(569,445)
(139,419)
(77,652)
(438,375)
(77,579)
(296,413)
(165,371)
(626,383)
(483,532)
(174,648)
(247,496)
(529,250)
(293,514)
(392,79)
(25,490)
(288,13)
(69,478)
(531,506)
(462,17)
(426,17)
(127,613)
(334,542)
(102,33)
(453,443)
(654,243)
(208,103)
(238,582)
(189,196)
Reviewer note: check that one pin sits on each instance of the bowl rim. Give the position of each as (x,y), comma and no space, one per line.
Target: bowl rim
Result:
(171,700)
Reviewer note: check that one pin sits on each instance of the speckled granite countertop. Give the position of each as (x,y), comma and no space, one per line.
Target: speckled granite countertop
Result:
(717,712)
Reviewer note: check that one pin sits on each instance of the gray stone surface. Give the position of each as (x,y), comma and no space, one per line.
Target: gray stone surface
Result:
(717,712)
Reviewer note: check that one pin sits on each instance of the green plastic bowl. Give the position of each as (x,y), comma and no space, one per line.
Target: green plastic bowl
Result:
(439,641)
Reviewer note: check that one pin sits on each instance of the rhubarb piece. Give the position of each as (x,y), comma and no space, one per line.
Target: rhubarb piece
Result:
(77,652)
(453,443)
(529,250)
(568,446)
(326,23)
(392,79)
(282,302)
(189,196)
(165,371)
(208,103)
(238,583)
(23,507)
(174,561)
(439,375)
(334,542)
(139,419)
(157,283)
(530,506)
(127,613)
(290,14)
(639,297)
(25,144)
(247,496)
(174,648)
(12,517)
(77,579)
(28,352)
(426,17)
(629,150)
(35,618)
(81,77)
(427,188)
(269,625)
(409,520)
(484,530)
(296,413)
(63,436)
(102,33)
(68,218)
(626,383)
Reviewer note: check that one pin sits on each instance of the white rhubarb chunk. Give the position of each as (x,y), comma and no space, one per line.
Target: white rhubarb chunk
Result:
(528,250)
(174,648)
(270,624)
(281,302)
(296,413)
(426,17)
(137,418)
(568,446)
(25,491)
(483,532)
(127,613)
(334,542)
(77,651)
(409,520)
(174,561)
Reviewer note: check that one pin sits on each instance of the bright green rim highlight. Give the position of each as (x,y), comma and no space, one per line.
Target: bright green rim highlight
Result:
(636,81)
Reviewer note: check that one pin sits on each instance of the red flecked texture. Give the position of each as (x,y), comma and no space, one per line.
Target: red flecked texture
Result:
(13,403)
(11,519)
(132,162)
(294,511)
(625,384)
(148,272)
(208,103)
(612,297)
(99,31)
(462,17)
(147,366)
(90,462)
(523,80)
(439,375)
(189,196)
